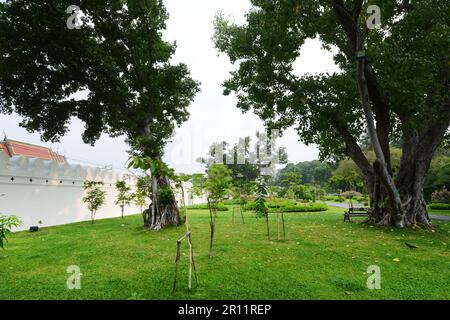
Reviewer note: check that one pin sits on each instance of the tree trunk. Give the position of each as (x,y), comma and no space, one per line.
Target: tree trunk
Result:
(409,183)
(122,208)
(213,226)
(163,214)
(398,202)
(183,203)
(394,203)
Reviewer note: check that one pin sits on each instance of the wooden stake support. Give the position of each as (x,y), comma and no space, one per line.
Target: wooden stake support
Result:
(188,238)
(281,224)
(237,210)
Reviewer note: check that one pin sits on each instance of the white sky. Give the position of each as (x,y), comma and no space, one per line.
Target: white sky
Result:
(214,117)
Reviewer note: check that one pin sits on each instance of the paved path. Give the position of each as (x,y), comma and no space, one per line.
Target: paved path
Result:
(343,205)
(347,205)
(439,217)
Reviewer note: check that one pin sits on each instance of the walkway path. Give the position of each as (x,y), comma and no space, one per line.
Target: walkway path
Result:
(347,205)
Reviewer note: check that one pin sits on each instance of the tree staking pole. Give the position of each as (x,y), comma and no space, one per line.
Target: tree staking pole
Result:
(188,238)
(237,210)
(281,226)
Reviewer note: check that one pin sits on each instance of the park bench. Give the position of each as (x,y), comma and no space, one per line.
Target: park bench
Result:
(355,212)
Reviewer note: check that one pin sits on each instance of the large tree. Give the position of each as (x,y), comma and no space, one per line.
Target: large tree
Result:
(393,84)
(117,58)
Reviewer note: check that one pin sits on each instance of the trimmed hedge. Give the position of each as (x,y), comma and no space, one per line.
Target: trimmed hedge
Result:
(334,198)
(440,206)
(231,202)
(312,207)
(289,206)
(204,206)
(279,203)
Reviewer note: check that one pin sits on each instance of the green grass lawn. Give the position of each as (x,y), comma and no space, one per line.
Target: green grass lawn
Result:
(322,258)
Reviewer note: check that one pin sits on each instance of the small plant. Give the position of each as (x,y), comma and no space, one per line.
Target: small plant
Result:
(260,203)
(143,195)
(217,186)
(139,199)
(95,197)
(123,195)
(6,224)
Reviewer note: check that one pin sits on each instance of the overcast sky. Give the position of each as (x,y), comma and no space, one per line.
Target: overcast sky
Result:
(214,117)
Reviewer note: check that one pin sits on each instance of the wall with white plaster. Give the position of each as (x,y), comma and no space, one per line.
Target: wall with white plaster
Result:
(51,193)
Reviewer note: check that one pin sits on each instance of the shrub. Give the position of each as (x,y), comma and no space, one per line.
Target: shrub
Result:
(231,202)
(289,206)
(334,198)
(6,224)
(441,196)
(312,207)
(165,196)
(250,206)
(363,199)
(204,206)
(278,203)
(440,206)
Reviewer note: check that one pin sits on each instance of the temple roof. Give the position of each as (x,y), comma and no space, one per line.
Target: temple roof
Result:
(18,148)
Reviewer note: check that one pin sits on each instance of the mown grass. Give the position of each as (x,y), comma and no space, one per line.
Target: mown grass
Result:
(322,258)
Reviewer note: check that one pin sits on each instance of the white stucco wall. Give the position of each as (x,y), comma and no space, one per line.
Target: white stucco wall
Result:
(54,193)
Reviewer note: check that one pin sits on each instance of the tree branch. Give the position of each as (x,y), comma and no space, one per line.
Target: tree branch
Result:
(380,105)
(353,150)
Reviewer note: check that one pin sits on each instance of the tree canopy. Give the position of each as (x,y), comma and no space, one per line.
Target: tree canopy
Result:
(246,162)
(326,107)
(393,83)
(312,172)
(117,59)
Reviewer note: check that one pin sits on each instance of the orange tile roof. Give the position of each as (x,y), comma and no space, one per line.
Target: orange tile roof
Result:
(4,149)
(18,148)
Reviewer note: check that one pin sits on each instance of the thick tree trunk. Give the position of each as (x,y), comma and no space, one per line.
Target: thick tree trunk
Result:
(163,214)
(410,185)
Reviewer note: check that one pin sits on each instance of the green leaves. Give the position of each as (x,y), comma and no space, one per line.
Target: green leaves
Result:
(218,182)
(260,202)
(118,57)
(124,196)
(408,55)
(6,224)
(155,166)
(95,196)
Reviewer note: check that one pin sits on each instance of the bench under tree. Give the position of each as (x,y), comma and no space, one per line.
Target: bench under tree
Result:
(355,212)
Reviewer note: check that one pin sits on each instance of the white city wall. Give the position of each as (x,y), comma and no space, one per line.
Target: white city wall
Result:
(54,194)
